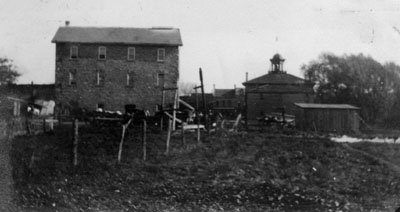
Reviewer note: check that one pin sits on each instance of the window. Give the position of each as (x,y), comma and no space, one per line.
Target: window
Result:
(72,77)
(160,54)
(131,53)
(74,52)
(160,80)
(102,52)
(129,79)
(99,77)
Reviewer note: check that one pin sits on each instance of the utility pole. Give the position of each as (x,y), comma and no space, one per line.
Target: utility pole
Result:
(204,101)
(197,115)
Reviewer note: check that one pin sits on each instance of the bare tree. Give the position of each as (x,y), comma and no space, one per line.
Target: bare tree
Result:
(8,72)
(186,88)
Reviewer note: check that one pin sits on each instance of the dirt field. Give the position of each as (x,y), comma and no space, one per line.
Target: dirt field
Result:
(245,171)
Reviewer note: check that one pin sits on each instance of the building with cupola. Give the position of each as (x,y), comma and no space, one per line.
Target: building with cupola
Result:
(276,91)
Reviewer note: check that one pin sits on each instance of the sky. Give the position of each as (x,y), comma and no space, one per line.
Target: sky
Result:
(225,38)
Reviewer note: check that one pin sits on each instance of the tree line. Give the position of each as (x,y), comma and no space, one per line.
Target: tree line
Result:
(8,72)
(358,80)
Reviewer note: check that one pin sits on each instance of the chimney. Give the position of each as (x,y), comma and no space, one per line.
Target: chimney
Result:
(214,89)
(66,23)
(234,86)
(247,76)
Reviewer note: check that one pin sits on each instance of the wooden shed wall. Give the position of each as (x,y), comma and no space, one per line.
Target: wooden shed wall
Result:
(327,120)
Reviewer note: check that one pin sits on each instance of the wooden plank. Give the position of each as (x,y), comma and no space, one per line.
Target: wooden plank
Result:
(171,116)
(186,104)
(193,127)
(174,111)
(124,127)
(108,119)
(168,137)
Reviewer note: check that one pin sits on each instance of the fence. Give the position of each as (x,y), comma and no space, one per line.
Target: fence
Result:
(23,125)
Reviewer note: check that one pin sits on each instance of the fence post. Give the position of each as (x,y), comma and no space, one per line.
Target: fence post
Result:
(183,134)
(144,139)
(121,143)
(44,125)
(75,146)
(168,136)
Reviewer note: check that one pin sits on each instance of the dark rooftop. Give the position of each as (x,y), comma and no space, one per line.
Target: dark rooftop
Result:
(221,92)
(142,36)
(275,78)
(326,106)
(282,88)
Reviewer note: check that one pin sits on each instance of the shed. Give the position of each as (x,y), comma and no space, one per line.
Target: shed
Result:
(337,118)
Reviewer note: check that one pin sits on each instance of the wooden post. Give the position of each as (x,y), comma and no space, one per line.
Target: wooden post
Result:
(124,126)
(168,136)
(75,145)
(59,119)
(28,125)
(162,109)
(162,98)
(144,139)
(236,124)
(174,111)
(197,116)
(44,125)
(52,124)
(161,121)
(204,101)
(246,114)
(183,135)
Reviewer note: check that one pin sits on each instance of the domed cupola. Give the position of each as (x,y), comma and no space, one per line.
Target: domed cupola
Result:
(277,63)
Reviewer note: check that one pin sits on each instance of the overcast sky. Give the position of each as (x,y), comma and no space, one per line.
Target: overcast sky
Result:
(225,38)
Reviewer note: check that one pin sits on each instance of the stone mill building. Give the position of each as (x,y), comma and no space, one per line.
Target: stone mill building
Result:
(111,67)
(275,91)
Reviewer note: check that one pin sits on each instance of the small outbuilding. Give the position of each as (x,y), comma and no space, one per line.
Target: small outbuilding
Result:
(337,118)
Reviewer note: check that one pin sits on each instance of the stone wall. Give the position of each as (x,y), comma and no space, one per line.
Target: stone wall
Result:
(114,93)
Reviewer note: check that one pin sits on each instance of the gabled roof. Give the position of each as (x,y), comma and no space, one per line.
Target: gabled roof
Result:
(142,36)
(276,78)
(326,106)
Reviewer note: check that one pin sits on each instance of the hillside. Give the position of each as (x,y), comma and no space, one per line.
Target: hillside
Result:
(228,172)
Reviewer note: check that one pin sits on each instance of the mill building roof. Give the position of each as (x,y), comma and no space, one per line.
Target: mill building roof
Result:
(118,35)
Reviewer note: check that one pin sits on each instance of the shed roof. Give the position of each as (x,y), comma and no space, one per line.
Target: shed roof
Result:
(276,78)
(326,106)
(143,36)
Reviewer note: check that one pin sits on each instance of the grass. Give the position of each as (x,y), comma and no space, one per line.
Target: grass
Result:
(229,172)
